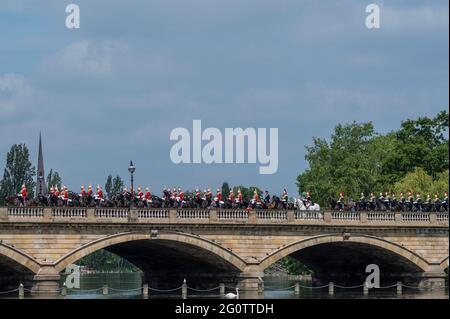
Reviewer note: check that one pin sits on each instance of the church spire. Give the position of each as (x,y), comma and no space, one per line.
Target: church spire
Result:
(40,182)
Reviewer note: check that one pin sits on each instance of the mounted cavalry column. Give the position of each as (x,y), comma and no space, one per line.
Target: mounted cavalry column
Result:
(46,282)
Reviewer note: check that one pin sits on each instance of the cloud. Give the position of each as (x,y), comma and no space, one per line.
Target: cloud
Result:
(15,93)
(103,59)
(85,58)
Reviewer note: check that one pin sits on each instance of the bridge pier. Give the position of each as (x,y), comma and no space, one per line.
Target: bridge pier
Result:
(251,279)
(46,283)
(434,278)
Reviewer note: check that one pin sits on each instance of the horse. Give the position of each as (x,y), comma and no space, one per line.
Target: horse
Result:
(301,205)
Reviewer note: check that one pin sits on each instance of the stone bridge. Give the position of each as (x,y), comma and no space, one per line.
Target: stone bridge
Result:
(231,246)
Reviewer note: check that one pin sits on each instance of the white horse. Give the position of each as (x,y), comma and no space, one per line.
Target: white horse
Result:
(301,206)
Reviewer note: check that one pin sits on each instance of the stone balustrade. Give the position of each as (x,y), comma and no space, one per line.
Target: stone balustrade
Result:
(380,216)
(193,213)
(152,213)
(415,217)
(308,215)
(166,215)
(345,216)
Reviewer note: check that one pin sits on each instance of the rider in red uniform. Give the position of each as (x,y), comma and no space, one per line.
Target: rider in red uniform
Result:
(255,196)
(181,195)
(83,191)
(57,193)
(65,194)
(148,195)
(99,192)
(240,197)
(231,196)
(140,193)
(219,195)
(23,194)
(90,191)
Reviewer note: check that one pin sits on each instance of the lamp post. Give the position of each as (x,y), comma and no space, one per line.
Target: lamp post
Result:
(131,169)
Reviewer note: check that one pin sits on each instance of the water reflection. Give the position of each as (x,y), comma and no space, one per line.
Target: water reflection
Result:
(128,286)
(274,289)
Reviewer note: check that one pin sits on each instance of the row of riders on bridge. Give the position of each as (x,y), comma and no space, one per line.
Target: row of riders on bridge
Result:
(176,198)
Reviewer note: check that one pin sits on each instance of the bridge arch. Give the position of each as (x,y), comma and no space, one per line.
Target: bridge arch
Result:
(19,257)
(188,239)
(395,249)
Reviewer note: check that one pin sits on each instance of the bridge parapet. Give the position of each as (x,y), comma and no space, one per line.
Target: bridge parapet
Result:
(219,216)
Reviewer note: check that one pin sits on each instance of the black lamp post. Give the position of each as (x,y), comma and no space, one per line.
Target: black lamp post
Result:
(131,169)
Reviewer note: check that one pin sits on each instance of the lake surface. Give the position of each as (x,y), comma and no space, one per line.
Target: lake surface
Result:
(127,286)
(275,288)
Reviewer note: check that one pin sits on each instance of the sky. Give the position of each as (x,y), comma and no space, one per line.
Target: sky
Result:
(113,90)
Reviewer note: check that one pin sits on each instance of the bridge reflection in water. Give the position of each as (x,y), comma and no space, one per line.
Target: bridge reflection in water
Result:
(233,247)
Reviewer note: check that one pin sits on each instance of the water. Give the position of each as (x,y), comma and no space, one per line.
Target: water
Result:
(128,286)
(274,289)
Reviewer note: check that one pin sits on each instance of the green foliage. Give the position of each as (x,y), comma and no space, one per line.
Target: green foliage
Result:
(295,267)
(53,179)
(117,185)
(108,185)
(247,192)
(420,181)
(18,171)
(420,143)
(104,260)
(357,159)
(225,190)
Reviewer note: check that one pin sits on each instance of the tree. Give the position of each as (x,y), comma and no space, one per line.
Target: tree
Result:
(345,164)
(420,143)
(108,185)
(225,190)
(53,179)
(117,185)
(357,159)
(18,171)
(419,181)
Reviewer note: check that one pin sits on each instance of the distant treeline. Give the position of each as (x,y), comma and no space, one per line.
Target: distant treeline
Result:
(357,159)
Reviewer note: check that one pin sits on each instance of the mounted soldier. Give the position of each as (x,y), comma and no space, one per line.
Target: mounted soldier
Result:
(140,193)
(393,202)
(209,196)
(340,202)
(362,205)
(147,197)
(65,196)
(90,192)
(181,200)
(285,198)
(410,203)
(240,198)
(218,198)
(373,201)
(445,201)
(428,203)
(418,202)
(255,200)
(99,195)
(437,203)
(23,195)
